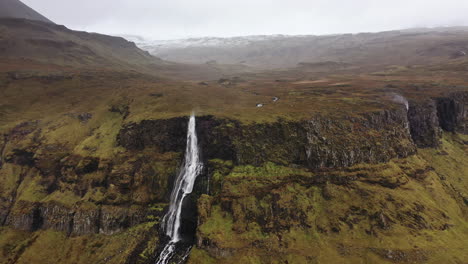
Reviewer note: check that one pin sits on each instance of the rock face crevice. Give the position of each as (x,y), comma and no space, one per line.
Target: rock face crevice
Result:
(453,112)
(424,123)
(429,117)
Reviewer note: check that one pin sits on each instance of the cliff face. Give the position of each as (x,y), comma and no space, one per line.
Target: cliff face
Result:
(424,123)
(316,143)
(281,191)
(453,112)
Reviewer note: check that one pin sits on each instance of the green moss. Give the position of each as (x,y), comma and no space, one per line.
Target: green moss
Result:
(198,256)
(269,169)
(56,247)
(66,198)
(218,226)
(10,175)
(31,190)
(102,142)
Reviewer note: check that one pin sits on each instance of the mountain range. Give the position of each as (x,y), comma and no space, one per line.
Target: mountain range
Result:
(415,46)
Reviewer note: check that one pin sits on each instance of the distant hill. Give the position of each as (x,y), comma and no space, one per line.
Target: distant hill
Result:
(16,9)
(23,41)
(401,47)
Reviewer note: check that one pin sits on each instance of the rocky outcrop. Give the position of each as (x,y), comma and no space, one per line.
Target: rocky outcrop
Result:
(453,112)
(424,123)
(86,221)
(76,220)
(167,134)
(25,216)
(115,219)
(375,137)
(57,217)
(427,118)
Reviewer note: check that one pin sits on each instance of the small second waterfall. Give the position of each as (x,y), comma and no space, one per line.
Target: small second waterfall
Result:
(183,186)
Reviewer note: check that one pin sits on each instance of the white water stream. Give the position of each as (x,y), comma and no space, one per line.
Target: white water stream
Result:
(183,186)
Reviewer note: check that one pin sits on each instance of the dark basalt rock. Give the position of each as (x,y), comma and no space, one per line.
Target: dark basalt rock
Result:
(86,221)
(115,219)
(453,112)
(165,134)
(84,117)
(376,137)
(21,157)
(75,220)
(122,109)
(57,217)
(424,123)
(25,216)
(319,142)
(87,165)
(214,139)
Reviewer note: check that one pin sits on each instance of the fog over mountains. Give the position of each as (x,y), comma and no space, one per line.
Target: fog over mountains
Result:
(413,46)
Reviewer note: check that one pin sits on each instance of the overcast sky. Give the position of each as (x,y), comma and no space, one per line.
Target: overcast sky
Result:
(169,19)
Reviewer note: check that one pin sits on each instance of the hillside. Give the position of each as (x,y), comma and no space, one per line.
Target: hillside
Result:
(54,44)
(88,160)
(16,9)
(406,47)
(355,154)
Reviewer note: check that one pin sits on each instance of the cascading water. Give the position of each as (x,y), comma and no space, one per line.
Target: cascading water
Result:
(183,186)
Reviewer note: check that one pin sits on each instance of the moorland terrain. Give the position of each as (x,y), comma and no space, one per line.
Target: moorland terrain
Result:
(354,154)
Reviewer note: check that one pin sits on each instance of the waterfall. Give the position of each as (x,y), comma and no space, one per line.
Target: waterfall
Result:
(183,186)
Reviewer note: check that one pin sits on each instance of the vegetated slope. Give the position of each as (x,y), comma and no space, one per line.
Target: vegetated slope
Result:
(16,9)
(54,44)
(335,170)
(406,47)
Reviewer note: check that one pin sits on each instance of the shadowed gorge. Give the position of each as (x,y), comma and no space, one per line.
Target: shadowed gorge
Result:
(304,149)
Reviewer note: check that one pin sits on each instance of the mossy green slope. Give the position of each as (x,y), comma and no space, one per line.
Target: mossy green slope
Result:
(408,210)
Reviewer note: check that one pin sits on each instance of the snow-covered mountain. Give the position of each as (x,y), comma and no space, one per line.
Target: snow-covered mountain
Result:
(153,45)
(414,46)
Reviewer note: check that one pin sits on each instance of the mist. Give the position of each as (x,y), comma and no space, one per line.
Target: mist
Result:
(187,18)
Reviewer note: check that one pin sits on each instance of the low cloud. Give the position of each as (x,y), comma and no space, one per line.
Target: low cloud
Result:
(164,19)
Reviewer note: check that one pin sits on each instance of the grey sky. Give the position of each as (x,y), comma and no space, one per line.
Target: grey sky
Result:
(168,19)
